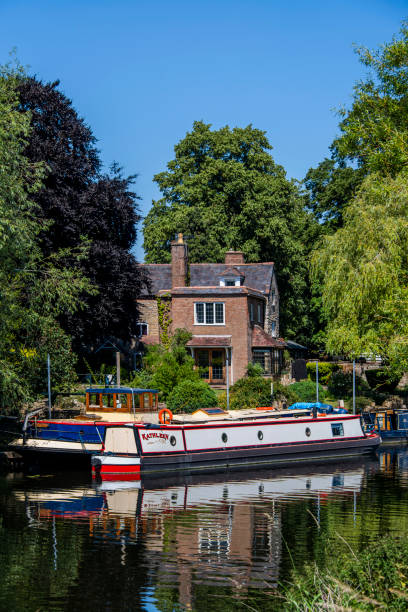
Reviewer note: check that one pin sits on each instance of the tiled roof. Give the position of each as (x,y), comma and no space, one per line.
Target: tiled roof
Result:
(231,272)
(209,341)
(257,275)
(263,340)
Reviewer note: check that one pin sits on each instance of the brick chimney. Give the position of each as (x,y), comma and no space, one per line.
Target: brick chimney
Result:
(234,258)
(178,262)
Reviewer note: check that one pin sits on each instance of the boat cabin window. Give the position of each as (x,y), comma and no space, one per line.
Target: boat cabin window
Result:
(403,420)
(106,400)
(337,429)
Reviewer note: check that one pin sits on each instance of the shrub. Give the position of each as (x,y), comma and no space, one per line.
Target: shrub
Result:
(306,391)
(326,370)
(254,369)
(255,391)
(341,385)
(190,395)
(381,381)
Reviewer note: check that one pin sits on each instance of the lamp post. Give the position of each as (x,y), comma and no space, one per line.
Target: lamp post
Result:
(49,384)
(354,386)
(317,381)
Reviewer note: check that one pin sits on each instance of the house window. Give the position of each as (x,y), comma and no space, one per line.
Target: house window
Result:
(259,313)
(230,283)
(209,313)
(251,312)
(142,329)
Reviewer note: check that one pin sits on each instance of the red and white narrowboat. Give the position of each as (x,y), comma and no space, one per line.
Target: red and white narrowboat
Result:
(211,439)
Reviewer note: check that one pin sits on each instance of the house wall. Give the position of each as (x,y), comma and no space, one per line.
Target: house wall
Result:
(272,309)
(148,314)
(236,325)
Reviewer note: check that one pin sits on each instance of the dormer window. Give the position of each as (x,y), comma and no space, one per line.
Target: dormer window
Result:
(231,277)
(230,282)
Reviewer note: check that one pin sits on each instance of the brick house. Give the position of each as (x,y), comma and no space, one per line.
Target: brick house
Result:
(231,308)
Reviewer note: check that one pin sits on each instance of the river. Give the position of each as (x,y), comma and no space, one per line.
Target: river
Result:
(225,541)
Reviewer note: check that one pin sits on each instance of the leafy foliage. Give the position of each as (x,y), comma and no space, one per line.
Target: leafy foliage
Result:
(341,385)
(375,130)
(330,187)
(168,367)
(306,391)
(34,289)
(224,191)
(190,395)
(76,200)
(326,370)
(255,391)
(363,268)
(381,381)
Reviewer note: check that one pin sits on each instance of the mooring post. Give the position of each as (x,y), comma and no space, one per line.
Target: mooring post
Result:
(117,369)
(49,384)
(227,373)
(354,387)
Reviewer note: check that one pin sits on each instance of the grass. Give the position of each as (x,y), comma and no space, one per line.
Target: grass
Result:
(375,578)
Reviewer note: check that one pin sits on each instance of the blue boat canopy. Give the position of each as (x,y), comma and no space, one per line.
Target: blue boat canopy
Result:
(328,408)
(116,390)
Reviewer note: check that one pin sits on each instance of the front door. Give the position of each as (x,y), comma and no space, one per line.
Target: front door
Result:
(211,365)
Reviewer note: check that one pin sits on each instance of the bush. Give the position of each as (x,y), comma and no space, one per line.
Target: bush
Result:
(341,385)
(255,391)
(190,395)
(254,369)
(381,381)
(306,391)
(326,370)
(361,403)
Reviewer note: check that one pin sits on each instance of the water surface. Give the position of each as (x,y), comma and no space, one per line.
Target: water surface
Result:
(220,542)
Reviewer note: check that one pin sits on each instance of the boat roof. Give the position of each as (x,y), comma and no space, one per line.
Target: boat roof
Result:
(111,390)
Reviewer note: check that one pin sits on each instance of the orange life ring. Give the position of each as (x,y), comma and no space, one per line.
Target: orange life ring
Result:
(266,408)
(162,416)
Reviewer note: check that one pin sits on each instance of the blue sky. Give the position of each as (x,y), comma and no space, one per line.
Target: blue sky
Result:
(141,72)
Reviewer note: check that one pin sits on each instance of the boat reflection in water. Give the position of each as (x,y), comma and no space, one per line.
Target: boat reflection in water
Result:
(223,527)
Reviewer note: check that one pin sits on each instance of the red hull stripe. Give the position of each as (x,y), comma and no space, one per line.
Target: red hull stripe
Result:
(119,469)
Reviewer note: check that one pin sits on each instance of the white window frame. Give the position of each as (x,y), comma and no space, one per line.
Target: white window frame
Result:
(235,279)
(205,313)
(147,329)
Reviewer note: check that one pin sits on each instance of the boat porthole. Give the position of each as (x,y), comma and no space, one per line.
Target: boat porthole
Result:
(173,440)
(224,437)
(260,435)
(307,431)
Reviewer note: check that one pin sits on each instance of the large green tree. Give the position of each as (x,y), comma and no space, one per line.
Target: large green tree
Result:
(363,267)
(76,199)
(374,132)
(34,290)
(223,190)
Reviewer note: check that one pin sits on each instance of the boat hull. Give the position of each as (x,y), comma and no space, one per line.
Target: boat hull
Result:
(122,466)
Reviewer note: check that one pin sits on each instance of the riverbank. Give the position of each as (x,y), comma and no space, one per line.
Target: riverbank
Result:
(373,579)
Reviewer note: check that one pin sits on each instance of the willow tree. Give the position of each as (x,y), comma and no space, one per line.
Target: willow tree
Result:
(363,268)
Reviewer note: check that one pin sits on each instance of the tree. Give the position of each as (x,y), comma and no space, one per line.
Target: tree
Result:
(77,201)
(34,289)
(363,269)
(224,191)
(330,187)
(375,129)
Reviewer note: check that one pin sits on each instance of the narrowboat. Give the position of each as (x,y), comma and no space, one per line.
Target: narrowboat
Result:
(213,439)
(390,423)
(79,437)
